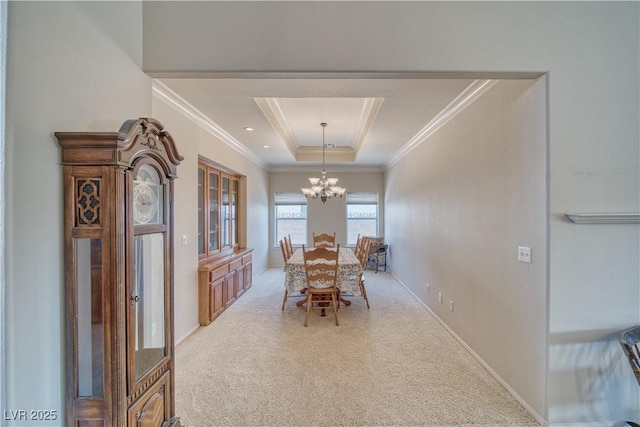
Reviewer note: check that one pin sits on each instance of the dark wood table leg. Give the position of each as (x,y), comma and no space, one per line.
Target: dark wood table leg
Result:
(302,301)
(346,302)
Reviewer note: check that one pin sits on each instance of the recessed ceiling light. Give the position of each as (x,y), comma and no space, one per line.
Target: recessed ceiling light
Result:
(248,128)
(265,146)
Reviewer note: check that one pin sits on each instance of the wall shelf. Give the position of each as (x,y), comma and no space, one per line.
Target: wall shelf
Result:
(604,218)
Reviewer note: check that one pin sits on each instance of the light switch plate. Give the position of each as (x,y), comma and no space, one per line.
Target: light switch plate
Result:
(524,254)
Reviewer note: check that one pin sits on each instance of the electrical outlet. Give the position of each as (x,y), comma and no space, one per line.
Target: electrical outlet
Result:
(524,254)
(440,297)
(428,288)
(450,305)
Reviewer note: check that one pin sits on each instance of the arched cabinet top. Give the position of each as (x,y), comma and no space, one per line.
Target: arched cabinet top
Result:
(144,137)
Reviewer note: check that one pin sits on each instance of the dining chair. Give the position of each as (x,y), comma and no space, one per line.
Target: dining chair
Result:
(324,240)
(289,245)
(286,258)
(321,270)
(285,255)
(630,342)
(362,257)
(285,252)
(356,250)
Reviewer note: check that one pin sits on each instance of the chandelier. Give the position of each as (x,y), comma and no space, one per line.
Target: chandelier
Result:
(323,188)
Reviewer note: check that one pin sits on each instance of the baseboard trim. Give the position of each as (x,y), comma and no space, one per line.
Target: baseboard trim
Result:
(540,420)
(260,272)
(195,328)
(185,336)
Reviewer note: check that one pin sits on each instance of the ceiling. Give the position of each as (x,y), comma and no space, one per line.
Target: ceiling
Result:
(371,122)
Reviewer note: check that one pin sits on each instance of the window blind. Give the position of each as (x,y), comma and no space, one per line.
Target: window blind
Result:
(362,198)
(290,199)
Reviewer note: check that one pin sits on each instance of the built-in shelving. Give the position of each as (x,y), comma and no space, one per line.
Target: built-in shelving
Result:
(604,218)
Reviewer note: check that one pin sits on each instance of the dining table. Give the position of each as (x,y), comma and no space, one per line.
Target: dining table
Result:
(349,272)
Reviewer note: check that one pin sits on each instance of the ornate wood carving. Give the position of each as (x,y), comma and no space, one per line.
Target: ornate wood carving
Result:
(88,202)
(152,413)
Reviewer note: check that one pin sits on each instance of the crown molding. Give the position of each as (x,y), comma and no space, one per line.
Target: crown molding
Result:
(161,92)
(270,107)
(338,154)
(472,92)
(467,75)
(368,114)
(331,170)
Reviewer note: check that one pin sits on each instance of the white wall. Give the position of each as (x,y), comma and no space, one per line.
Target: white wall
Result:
(590,51)
(462,204)
(323,218)
(70,67)
(193,140)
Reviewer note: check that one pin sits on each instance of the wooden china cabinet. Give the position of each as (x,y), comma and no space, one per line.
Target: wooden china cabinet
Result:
(118,232)
(225,268)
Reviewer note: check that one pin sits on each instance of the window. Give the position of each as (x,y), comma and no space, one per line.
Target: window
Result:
(218,195)
(362,216)
(291,218)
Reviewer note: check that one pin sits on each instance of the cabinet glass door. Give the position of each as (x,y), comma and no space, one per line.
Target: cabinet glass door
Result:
(234,212)
(213,211)
(148,299)
(201,197)
(226,212)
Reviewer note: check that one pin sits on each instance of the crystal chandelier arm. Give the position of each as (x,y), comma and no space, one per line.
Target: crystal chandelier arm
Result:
(309,193)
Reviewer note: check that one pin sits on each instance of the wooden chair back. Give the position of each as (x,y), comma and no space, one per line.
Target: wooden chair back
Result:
(324,240)
(364,252)
(285,252)
(288,244)
(321,267)
(356,250)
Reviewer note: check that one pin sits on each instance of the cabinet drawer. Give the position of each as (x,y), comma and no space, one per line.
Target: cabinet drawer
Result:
(233,265)
(218,273)
(246,259)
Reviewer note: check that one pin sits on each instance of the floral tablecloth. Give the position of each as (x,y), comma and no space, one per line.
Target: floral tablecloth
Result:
(349,272)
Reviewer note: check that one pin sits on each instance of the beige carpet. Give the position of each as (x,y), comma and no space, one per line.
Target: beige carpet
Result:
(392,365)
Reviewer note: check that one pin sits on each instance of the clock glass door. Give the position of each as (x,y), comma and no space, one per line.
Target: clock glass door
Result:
(148,301)
(147,196)
(149,281)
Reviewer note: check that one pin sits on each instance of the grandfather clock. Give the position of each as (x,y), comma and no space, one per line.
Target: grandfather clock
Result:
(118,233)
